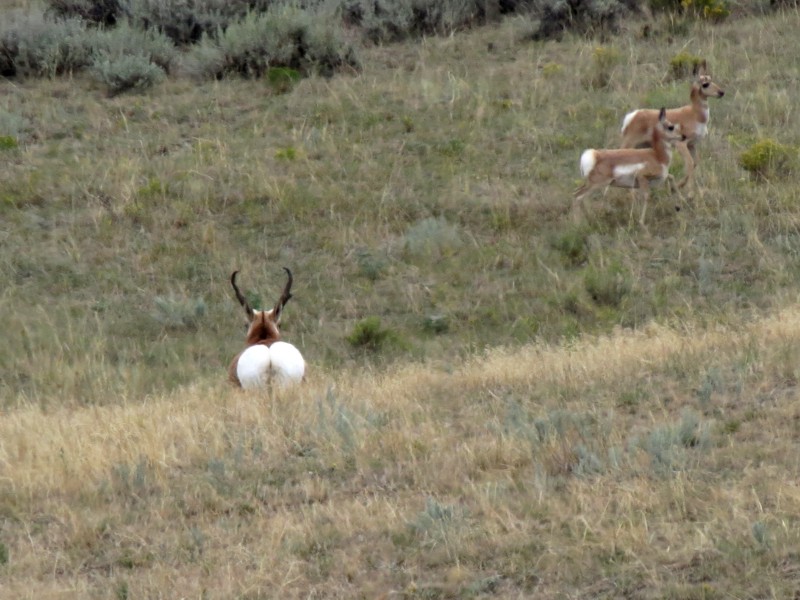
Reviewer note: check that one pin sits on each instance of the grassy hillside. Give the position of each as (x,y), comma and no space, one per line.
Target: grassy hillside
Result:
(432,191)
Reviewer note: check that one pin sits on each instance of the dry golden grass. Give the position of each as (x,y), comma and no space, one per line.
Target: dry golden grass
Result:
(428,483)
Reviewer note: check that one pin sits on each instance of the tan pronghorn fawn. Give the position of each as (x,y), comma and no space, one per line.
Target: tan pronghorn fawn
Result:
(630,167)
(693,119)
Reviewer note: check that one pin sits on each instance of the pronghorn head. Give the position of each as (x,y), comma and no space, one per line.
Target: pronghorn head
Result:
(706,87)
(670,132)
(263,327)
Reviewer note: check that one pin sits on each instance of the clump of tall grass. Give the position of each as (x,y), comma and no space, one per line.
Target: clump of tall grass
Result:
(432,237)
(370,334)
(179,313)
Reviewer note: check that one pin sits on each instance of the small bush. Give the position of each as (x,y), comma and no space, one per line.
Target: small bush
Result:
(704,9)
(284,36)
(3,554)
(126,73)
(604,61)
(282,79)
(683,64)
(186,21)
(608,286)
(368,334)
(712,10)
(8,142)
(432,238)
(572,244)
(556,17)
(767,159)
(125,40)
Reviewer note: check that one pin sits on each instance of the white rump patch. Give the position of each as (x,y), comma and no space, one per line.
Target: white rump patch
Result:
(628,118)
(625,175)
(288,365)
(588,160)
(253,367)
(280,362)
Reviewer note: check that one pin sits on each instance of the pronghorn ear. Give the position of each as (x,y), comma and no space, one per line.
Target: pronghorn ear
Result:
(700,68)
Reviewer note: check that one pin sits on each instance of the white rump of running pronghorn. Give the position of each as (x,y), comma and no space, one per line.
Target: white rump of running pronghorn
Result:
(266,358)
(693,118)
(630,167)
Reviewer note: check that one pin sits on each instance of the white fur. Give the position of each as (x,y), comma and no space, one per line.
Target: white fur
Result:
(627,120)
(259,364)
(625,175)
(700,130)
(588,161)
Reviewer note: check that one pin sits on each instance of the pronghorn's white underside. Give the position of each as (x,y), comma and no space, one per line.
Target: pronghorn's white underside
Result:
(701,130)
(280,362)
(625,175)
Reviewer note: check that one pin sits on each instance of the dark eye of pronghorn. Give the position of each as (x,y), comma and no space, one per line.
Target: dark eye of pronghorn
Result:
(671,127)
(706,84)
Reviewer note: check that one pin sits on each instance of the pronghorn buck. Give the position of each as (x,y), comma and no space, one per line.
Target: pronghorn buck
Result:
(630,167)
(266,358)
(637,126)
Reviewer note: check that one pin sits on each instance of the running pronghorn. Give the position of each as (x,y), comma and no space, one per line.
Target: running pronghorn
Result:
(631,167)
(693,119)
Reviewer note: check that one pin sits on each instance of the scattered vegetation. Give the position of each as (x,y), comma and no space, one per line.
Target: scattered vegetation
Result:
(499,402)
(683,64)
(767,159)
(370,334)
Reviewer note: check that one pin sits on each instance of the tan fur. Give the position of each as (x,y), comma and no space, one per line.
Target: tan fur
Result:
(655,162)
(691,118)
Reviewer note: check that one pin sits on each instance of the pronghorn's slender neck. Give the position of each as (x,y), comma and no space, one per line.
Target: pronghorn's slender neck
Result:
(661,147)
(699,103)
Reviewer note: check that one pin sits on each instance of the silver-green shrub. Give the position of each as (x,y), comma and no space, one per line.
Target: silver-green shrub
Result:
(124,40)
(35,46)
(126,73)
(283,36)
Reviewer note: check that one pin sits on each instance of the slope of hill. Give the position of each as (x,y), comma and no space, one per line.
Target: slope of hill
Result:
(545,408)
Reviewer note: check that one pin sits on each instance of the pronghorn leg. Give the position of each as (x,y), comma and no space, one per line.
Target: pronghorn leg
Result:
(688,156)
(644,185)
(581,193)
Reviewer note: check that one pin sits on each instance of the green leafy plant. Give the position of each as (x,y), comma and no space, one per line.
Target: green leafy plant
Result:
(768,158)
(8,142)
